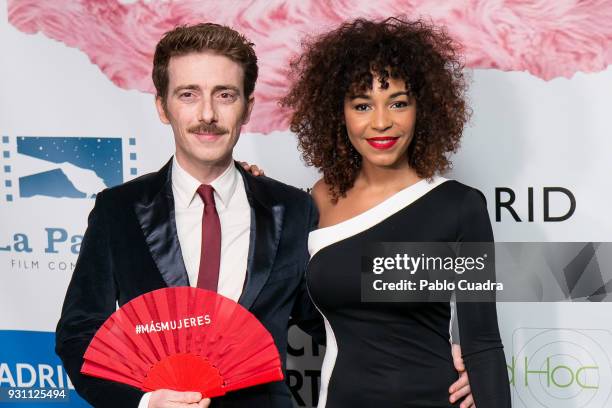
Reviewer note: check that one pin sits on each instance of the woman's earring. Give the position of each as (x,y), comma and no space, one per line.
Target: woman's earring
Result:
(353,154)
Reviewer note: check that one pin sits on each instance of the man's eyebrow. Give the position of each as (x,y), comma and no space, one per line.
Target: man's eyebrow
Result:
(222,87)
(217,88)
(190,87)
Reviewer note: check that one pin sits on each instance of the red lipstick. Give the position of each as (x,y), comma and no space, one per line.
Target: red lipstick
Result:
(382,142)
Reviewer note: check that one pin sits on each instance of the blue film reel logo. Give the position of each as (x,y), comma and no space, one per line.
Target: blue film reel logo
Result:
(64,167)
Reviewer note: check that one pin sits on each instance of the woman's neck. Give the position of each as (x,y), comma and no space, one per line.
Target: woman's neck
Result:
(383,178)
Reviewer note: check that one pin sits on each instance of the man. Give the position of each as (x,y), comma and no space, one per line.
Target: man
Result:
(165,229)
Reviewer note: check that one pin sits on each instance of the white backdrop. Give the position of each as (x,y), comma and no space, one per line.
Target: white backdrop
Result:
(529,130)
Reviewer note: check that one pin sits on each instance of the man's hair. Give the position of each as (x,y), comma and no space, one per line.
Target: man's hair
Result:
(203,37)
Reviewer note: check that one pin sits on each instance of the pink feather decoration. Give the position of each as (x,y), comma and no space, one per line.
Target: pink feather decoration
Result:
(547,38)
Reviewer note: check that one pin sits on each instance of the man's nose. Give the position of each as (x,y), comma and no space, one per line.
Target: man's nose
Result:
(207,112)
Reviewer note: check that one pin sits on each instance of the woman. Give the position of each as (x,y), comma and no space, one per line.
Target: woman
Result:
(377,107)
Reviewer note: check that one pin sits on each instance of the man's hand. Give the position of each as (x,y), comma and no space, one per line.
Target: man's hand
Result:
(252,168)
(177,399)
(461,387)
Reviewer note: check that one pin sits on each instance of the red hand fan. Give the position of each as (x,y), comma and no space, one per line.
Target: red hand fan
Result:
(184,339)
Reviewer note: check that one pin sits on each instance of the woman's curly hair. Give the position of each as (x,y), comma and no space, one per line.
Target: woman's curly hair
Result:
(345,61)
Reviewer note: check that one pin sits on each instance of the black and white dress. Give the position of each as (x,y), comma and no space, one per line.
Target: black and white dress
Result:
(387,355)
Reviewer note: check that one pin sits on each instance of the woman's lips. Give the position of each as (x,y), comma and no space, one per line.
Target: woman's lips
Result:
(382,142)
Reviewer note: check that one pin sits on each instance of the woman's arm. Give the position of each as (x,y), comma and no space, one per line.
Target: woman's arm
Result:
(481,343)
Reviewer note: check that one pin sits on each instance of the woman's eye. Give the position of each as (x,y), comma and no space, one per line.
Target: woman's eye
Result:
(399,104)
(362,107)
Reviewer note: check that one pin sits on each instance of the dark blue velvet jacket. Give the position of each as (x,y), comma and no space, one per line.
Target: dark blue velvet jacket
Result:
(131,247)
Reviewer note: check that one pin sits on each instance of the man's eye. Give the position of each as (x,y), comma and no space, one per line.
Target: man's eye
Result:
(187,95)
(228,96)
(362,107)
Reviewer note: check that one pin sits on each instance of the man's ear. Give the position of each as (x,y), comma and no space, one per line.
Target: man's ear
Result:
(249,109)
(161,110)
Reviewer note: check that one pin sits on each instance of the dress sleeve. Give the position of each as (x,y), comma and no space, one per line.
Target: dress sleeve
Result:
(481,344)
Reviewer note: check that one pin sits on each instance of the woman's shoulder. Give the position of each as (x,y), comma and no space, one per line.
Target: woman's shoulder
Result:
(321,194)
(470,208)
(461,203)
(458,194)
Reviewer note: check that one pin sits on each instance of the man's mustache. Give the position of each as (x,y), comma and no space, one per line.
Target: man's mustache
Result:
(210,128)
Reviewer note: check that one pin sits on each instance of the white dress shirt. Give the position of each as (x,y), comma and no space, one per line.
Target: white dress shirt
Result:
(235,217)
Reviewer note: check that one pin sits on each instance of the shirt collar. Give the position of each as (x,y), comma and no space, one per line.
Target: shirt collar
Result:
(186,186)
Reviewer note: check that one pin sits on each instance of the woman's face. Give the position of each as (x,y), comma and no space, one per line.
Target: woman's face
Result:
(380,123)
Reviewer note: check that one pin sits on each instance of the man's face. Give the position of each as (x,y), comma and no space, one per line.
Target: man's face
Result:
(206,108)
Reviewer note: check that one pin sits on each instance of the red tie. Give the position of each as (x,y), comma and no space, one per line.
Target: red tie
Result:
(210,254)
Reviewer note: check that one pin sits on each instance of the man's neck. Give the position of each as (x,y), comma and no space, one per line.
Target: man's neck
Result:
(205,173)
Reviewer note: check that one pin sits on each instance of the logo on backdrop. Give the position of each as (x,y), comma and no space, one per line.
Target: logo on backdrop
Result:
(303,367)
(561,368)
(27,360)
(506,200)
(64,167)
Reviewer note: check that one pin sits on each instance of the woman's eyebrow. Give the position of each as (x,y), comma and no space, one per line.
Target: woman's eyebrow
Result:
(396,94)
(358,96)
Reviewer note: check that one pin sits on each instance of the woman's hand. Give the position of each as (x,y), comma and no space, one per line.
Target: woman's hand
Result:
(252,168)
(461,387)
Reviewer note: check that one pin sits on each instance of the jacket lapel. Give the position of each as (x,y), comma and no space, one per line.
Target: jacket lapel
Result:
(155,213)
(266,227)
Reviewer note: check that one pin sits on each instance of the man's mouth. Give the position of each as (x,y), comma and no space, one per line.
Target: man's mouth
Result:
(382,142)
(207,137)
(208,133)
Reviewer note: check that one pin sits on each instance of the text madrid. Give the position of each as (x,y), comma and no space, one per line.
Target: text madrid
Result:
(463,285)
